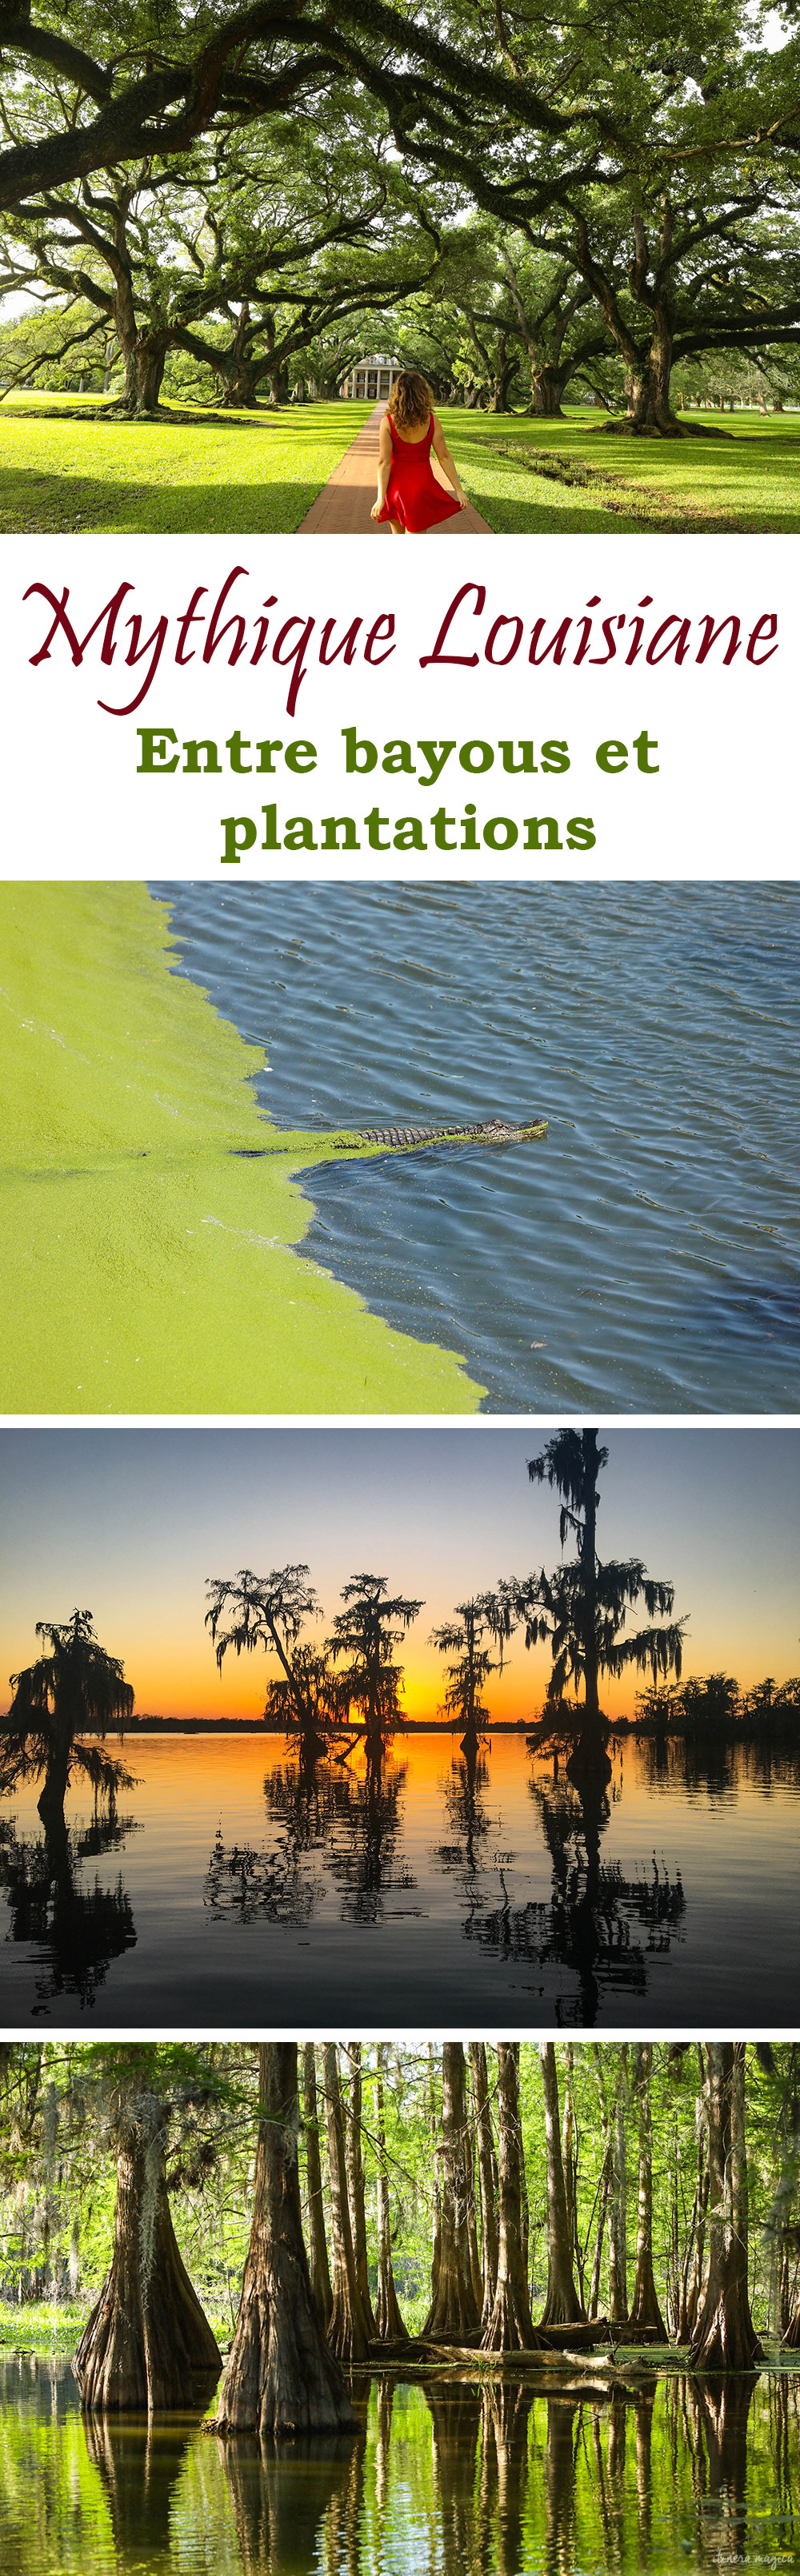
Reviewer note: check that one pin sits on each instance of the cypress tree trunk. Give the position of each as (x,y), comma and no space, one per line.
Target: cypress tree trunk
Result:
(320,2268)
(356,2186)
(605,2178)
(510,2327)
(389,2323)
(724,2336)
(562,2305)
(147,2343)
(349,2331)
(453,2314)
(645,2312)
(436,2197)
(280,2376)
(617,2216)
(568,2144)
(487,2175)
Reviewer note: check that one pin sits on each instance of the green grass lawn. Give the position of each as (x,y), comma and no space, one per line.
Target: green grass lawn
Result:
(227,473)
(747,482)
(242,473)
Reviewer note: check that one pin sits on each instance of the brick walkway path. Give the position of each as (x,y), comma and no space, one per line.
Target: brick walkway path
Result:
(342,508)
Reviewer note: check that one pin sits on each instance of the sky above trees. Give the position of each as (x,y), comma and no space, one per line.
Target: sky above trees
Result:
(134,1522)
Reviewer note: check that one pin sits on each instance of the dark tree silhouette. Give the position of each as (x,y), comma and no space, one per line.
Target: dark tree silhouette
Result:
(367,1631)
(271,1611)
(74,1691)
(463,1638)
(582,1607)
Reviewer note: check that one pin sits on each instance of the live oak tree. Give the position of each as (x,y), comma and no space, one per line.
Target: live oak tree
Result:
(237,258)
(636,145)
(78,1690)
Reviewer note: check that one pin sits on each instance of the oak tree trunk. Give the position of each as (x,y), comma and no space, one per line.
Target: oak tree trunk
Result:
(547,386)
(280,2377)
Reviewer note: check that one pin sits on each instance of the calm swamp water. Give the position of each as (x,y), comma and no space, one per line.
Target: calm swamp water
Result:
(443,2478)
(433,1890)
(645,1255)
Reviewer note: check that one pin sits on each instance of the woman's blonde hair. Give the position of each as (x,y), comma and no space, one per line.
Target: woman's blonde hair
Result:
(410,400)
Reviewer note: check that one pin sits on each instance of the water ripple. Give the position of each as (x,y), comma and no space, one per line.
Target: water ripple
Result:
(647,1254)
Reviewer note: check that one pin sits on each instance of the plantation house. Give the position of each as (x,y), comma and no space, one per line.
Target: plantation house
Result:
(370,380)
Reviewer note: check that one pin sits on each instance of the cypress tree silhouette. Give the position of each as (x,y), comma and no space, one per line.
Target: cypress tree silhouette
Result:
(581,1608)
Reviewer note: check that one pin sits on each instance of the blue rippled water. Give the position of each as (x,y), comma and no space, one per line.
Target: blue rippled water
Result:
(646,1254)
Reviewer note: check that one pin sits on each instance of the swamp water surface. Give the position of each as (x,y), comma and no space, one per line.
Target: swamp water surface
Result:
(433,1889)
(443,2479)
(645,1255)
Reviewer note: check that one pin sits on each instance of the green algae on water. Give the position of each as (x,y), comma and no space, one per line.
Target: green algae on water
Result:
(147,1234)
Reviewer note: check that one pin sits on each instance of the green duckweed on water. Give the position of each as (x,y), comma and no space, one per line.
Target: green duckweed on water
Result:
(148,1267)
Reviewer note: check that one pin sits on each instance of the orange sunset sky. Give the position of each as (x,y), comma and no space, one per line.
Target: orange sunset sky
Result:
(130,1523)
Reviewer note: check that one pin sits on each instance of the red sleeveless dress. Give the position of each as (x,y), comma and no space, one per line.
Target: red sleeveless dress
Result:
(413,495)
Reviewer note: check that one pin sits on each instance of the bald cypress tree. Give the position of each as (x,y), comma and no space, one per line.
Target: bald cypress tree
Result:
(582,1607)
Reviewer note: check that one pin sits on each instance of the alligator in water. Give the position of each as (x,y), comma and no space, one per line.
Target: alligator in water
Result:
(370,1141)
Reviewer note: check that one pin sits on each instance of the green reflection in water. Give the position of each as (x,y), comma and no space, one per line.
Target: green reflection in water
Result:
(445,2478)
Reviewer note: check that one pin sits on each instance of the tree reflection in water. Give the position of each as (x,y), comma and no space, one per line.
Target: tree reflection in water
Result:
(76,1929)
(589,1926)
(336,1842)
(139,2467)
(324,1810)
(290,2499)
(530,2471)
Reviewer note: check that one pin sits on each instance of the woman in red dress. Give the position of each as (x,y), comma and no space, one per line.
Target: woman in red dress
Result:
(409,497)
